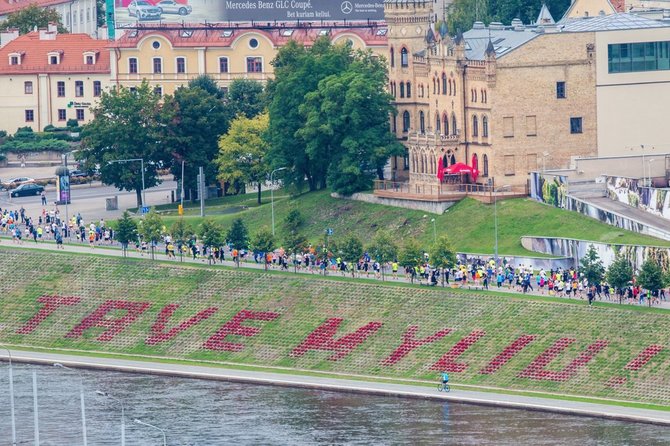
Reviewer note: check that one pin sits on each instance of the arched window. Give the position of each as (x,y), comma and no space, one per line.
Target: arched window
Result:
(453,125)
(422,122)
(485,126)
(434,82)
(453,159)
(409,90)
(423,165)
(394,124)
(404,58)
(445,124)
(475,125)
(486,166)
(402,89)
(483,96)
(475,93)
(444,84)
(438,125)
(449,87)
(405,121)
(445,160)
(392,57)
(454,87)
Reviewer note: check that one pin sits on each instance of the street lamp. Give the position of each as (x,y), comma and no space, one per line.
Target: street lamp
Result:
(11,395)
(141,160)
(272,196)
(123,416)
(81,397)
(495,218)
(155,427)
(649,169)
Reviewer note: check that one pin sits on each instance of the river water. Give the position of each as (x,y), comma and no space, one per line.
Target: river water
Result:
(199,412)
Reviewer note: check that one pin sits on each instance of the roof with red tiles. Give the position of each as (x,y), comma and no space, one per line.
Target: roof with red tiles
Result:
(35,52)
(279,36)
(9,6)
(619,5)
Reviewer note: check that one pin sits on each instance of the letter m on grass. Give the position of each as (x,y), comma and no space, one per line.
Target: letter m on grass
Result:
(323,338)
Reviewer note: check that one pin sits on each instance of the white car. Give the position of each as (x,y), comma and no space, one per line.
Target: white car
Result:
(144,10)
(15,182)
(172,7)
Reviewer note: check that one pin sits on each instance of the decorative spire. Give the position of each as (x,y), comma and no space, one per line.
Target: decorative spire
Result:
(544,17)
(430,37)
(444,29)
(459,37)
(490,50)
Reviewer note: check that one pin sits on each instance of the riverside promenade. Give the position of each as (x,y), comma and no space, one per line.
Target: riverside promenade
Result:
(364,385)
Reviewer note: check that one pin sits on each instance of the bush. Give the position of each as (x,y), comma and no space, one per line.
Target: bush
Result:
(72,123)
(18,146)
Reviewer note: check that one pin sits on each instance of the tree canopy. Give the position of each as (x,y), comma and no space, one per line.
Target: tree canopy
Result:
(592,266)
(246,97)
(26,19)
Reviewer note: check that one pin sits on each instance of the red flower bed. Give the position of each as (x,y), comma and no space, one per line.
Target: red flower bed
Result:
(51,304)
(448,362)
(536,368)
(235,327)
(158,333)
(409,343)
(323,339)
(644,357)
(113,326)
(508,353)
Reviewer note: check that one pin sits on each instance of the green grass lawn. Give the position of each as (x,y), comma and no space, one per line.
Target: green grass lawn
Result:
(469,223)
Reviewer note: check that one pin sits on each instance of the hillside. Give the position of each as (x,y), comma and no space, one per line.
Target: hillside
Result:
(112,305)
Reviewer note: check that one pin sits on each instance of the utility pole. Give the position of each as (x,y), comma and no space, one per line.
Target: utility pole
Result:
(201,190)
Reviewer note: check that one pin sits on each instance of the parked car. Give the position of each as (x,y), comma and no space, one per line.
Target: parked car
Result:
(172,7)
(27,189)
(14,182)
(77,174)
(144,10)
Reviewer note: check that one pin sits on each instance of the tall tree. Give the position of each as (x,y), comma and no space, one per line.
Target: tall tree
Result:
(180,232)
(246,97)
(263,241)
(211,234)
(619,274)
(411,256)
(383,248)
(442,255)
(151,229)
(126,231)
(651,277)
(243,152)
(125,126)
(26,19)
(592,266)
(238,235)
(351,250)
(193,120)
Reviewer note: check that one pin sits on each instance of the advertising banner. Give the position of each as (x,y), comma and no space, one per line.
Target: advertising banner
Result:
(63,189)
(131,12)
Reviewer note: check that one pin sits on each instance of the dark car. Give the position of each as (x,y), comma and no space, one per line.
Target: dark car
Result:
(77,174)
(27,189)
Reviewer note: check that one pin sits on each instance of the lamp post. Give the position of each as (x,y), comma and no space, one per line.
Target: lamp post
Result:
(272,196)
(649,169)
(123,414)
(81,397)
(495,219)
(141,160)
(11,395)
(181,195)
(155,427)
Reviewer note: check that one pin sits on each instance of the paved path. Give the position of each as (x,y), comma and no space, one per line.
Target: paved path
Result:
(115,251)
(347,385)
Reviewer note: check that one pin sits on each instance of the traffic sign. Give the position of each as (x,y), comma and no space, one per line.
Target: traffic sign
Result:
(145,209)
(180,209)
(329,231)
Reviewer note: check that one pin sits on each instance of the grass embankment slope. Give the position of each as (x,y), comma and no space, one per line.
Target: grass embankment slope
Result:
(615,336)
(469,223)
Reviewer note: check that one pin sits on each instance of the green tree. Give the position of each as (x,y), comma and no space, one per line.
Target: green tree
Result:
(383,248)
(351,250)
(411,256)
(295,242)
(619,274)
(263,241)
(651,277)
(193,119)
(238,235)
(126,231)
(151,229)
(180,232)
(442,255)
(125,126)
(246,97)
(592,267)
(243,150)
(294,219)
(211,234)
(31,16)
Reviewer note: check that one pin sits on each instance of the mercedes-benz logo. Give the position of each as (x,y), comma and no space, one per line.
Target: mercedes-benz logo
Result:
(346,7)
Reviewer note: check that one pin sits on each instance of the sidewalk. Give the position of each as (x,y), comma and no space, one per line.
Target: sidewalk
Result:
(349,385)
(115,251)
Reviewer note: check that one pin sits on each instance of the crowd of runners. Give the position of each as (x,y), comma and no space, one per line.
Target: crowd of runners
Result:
(51,226)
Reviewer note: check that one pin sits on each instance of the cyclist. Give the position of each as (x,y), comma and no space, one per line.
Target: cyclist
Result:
(445,377)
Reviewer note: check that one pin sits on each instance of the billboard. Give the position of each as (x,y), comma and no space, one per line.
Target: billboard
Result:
(131,12)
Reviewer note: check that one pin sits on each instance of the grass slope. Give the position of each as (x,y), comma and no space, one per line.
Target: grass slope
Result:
(469,223)
(304,303)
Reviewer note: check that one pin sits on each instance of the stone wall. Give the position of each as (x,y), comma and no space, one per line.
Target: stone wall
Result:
(426,206)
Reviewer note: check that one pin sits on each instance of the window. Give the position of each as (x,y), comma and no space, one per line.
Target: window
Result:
(404,58)
(158,91)
(409,90)
(438,126)
(444,84)
(485,171)
(74,18)
(406,160)
(402,89)
(53,60)
(642,56)
(223,64)
(132,65)
(449,87)
(254,65)
(181,65)
(454,84)
(30,116)
(394,124)
(392,58)
(79,88)
(445,125)
(89,60)
(28,87)
(475,125)
(531,126)
(422,122)
(508,164)
(485,126)
(80,114)
(560,90)
(60,87)
(97,88)
(531,162)
(62,114)
(454,129)
(133,90)
(508,127)
(575,125)
(253,43)
(14,60)
(158,65)
(474,92)
(156,44)
(405,121)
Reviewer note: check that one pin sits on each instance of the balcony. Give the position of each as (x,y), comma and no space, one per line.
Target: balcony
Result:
(446,192)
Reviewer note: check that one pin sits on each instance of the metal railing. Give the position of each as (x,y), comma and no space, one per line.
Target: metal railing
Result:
(387,187)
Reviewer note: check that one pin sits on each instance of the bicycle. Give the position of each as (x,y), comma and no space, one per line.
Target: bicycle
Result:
(443,387)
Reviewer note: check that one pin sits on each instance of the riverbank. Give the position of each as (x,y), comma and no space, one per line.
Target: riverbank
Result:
(425,391)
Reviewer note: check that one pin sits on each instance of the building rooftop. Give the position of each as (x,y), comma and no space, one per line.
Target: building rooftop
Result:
(34,49)
(504,40)
(609,22)
(9,6)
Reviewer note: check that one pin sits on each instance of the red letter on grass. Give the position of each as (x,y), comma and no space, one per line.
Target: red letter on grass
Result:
(51,304)
(158,330)
(235,327)
(113,326)
(644,357)
(448,362)
(536,368)
(323,339)
(409,343)
(507,354)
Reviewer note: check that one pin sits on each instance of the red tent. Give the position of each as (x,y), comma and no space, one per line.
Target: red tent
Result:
(462,168)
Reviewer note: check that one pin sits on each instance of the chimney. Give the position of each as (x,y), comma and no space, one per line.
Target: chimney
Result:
(52,27)
(8,36)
